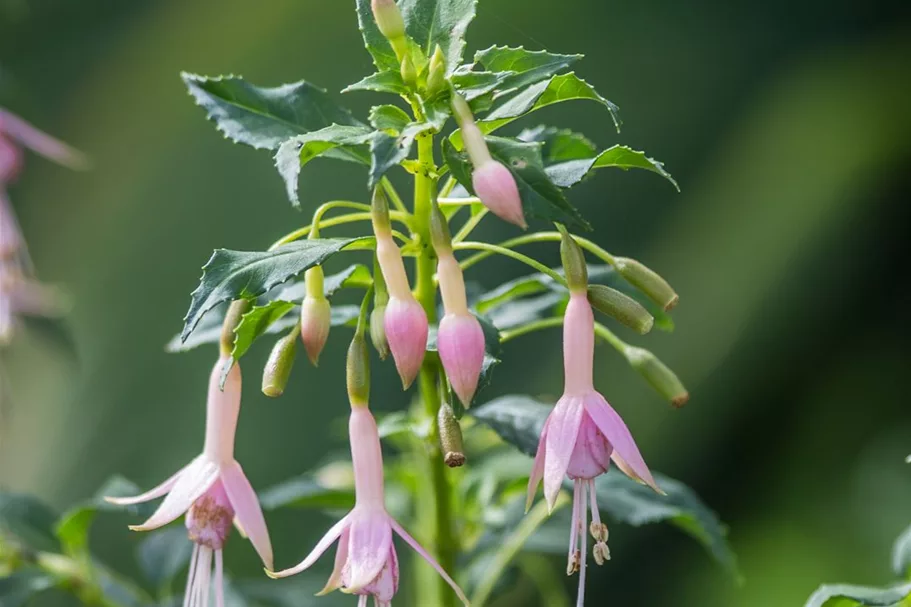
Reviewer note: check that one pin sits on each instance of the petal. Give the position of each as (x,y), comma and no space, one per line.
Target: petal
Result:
(426,556)
(195,480)
(537,469)
(157,492)
(368,547)
(626,454)
(562,431)
(247,511)
(32,298)
(40,142)
(341,557)
(323,545)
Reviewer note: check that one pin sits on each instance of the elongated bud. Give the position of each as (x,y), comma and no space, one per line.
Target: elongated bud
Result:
(648,281)
(460,341)
(409,72)
(377,316)
(497,189)
(656,373)
(388,19)
(573,262)
(461,110)
(440,236)
(278,367)
(235,313)
(316,315)
(450,437)
(379,210)
(621,307)
(358,371)
(436,78)
(405,323)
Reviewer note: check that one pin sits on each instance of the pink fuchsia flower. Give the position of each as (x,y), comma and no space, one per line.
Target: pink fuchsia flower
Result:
(213,492)
(366,563)
(460,338)
(580,438)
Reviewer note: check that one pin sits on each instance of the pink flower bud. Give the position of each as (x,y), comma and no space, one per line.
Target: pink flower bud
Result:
(316,317)
(460,342)
(10,160)
(496,187)
(406,332)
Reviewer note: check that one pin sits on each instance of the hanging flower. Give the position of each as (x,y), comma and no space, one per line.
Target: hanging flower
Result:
(213,492)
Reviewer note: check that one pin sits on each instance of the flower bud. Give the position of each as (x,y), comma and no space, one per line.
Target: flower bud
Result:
(379,210)
(648,281)
(278,367)
(378,331)
(388,19)
(460,341)
(406,331)
(316,315)
(461,110)
(450,437)
(358,371)
(436,78)
(658,375)
(409,72)
(496,187)
(573,262)
(440,237)
(621,307)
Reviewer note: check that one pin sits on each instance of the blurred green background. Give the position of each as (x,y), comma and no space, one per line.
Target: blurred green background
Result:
(786,123)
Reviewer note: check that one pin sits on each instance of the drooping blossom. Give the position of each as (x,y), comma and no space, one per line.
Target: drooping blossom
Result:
(316,315)
(213,492)
(581,437)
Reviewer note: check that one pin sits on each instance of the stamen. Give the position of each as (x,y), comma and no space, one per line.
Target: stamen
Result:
(190,576)
(580,602)
(598,529)
(362,601)
(219,580)
(572,559)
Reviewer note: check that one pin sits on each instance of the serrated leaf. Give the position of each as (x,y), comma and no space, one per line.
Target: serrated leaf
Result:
(540,197)
(163,554)
(901,554)
(256,322)
(560,145)
(381,82)
(376,44)
(296,152)
(439,22)
(264,117)
(389,117)
(387,151)
(305,491)
(519,420)
(843,595)
(354,276)
(471,84)
(28,520)
(569,173)
(231,275)
(18,588)
(525,67)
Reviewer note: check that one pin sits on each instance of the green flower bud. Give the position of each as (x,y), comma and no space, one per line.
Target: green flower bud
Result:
(278,367)
(658,375)
(621,307)
(440,236)
(648,281)
(461,110)
(573,262)
(380,212)
(436,77)
(409,72)
(388,19)
(378,331)
(358,371)
(450,437)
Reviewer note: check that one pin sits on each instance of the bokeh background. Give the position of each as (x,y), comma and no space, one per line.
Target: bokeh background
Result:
(786,122)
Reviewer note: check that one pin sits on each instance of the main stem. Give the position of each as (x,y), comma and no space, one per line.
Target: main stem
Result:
(438,518)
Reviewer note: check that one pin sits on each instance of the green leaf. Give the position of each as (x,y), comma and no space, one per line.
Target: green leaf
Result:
(389,117)
(565,87)
(472,85)
(381,82)
(163,554)
(28,520)
(295,153)
(439,22)
(387,151)
(17,589)
(560,145)
(901,554)
(306,491)
(540,197)
(519,420)
(254,324)
(568,174)
(842,595)
(264,117)
(355,276)
(376,44)
(231,275)
(74,526)
(524,67)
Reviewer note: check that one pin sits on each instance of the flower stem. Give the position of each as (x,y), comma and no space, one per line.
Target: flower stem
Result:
(586,244)
(489,249)
(435,590)
(545,323)
(337,221)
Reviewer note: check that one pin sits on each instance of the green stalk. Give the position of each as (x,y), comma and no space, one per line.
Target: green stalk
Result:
(438,518)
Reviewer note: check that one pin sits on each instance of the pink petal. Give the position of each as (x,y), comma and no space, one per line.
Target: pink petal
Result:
(32,298)
(626,454)
(157,492)
(10,234)
(323,545)
(40,142)
(562,431)
(537,469)
(341,557)
(369,542)
(426,556)
(247,511)
(195,480)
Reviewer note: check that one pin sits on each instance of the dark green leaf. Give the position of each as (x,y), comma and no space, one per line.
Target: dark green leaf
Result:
(349,141)
(439,22)
(355,276)
(231,275)
(568,174)
(19,587)
(376,44)
(264,117)
(471,84)
(389,117)
(519,420)
(842,595)
(901,554)
(305,492)
(163,554)
(254,323)
(29,520)
(540,197)
(560,145)
(387,151)
(381,82)
(74,526)
(56,331)
(525,67)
